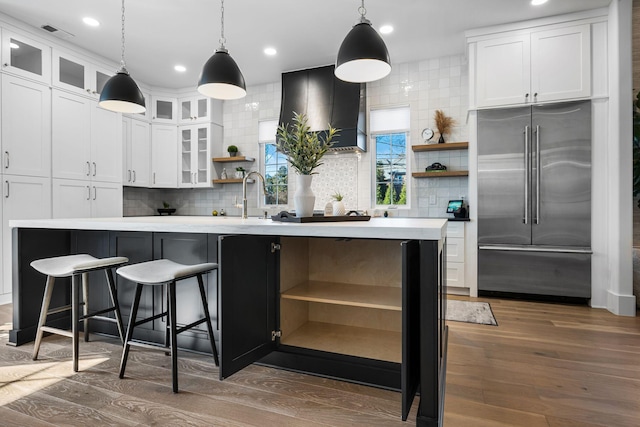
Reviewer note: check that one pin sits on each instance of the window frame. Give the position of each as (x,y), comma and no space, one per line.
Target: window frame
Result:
(262,143)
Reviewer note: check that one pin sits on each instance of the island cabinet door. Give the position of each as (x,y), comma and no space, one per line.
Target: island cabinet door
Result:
(410,370)
(247,301)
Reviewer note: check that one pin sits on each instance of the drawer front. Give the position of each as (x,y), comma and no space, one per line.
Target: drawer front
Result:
(455,249)
(455,229)
(455,274)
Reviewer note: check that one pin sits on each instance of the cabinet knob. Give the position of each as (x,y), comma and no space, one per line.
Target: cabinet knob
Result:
(5,65)
(88,90)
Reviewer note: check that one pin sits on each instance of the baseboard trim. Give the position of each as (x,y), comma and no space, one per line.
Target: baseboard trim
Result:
(621,305)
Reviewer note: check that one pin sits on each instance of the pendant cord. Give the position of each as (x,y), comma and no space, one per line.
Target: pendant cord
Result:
(362,10)
(122,63)
(222,39)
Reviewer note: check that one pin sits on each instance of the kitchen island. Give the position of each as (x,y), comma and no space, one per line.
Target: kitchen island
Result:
(359,301)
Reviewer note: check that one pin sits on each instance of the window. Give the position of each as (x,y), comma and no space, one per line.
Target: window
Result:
(389,130)
(276,168)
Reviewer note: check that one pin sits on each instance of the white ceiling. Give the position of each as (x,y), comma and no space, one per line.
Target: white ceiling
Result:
(306,33)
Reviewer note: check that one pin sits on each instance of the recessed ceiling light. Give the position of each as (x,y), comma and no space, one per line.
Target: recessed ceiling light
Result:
(13,45)
(180,68)
(538,2)
(270,51)
(90,21)
(386,29)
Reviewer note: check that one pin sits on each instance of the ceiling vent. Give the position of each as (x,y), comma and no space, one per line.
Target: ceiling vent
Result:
(62,34)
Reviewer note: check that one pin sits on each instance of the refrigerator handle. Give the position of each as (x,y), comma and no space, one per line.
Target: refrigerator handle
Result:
(526,175)
(538,167)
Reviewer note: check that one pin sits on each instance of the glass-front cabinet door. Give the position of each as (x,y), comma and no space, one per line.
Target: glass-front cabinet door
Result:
(195,170)
(164,110)
(79,76)
(194,109)
(26,57)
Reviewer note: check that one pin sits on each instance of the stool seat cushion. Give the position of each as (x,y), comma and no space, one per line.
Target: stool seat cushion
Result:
(68,265)
(162,271)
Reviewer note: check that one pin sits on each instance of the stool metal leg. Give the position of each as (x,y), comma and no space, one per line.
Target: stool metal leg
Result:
(75,315)
(114,299)
(173,334)
(128,336)
(46,300)
(205,307)
(85,306)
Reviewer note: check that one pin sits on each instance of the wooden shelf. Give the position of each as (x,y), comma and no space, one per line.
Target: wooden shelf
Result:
(232,181)
(441,147)
(352,340)
(380,297)
(443,174)
(232,159)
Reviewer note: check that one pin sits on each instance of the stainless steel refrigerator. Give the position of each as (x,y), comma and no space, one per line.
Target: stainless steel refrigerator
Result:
(534,200)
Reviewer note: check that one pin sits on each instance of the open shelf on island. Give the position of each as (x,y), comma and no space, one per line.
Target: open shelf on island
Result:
(232,181)
(381,297)
(442,174)
(233,159)
(351,340)
(441,147)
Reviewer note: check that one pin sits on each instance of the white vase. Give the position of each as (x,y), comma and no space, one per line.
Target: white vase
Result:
(338,208)
(303,198)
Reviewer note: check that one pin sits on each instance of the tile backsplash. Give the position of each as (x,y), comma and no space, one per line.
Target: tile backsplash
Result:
(426,86)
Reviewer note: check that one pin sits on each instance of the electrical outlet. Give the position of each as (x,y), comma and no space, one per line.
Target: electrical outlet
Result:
(433,200)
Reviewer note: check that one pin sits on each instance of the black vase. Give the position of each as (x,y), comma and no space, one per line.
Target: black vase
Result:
(441,139)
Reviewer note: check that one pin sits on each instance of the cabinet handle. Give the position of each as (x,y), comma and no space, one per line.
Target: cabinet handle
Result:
(526,97)
(95,193)
(88,193)
(6,160)
(535,95)
(7,195)
(134,176)
(95,169)
(88,168)
(154,178)
(128,175)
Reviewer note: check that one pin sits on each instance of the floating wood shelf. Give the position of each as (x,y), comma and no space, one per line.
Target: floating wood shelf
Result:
(443,174)
(233,159)
(232,181)
(381,297)
(441,147)
(352,340)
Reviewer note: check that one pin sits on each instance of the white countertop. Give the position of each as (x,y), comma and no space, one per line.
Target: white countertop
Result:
(376,228)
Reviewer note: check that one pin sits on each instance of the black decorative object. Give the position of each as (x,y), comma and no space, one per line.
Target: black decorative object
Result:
(441,140)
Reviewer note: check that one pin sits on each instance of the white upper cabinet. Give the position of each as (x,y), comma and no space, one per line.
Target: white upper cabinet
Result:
(26,57)
(195,154)
(86,139)
(136,136)
(164,156)
(26,127)
(78,75)
(164,110)
(193,110)
(533,66)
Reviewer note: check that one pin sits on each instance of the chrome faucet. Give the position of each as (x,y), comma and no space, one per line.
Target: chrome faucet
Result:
(244,190)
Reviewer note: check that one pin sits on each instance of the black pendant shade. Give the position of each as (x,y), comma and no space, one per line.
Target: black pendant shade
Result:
(221,77)
(122,94)
(363,56)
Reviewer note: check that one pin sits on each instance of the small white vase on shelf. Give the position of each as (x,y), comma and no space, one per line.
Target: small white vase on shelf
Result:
(303,198)
(338,208)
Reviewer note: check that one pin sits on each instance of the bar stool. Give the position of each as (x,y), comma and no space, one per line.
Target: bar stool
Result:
(76,267)
(161,272)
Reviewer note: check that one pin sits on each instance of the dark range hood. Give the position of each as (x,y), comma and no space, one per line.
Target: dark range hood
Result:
(326,99)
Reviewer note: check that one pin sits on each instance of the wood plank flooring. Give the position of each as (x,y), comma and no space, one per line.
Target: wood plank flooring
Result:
(544,365)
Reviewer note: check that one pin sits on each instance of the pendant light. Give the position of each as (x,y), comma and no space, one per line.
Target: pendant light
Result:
(363,56)
(121,93)
(221,78)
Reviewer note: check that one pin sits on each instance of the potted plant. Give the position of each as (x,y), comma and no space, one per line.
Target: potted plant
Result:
(240,171)
(444,124)
(338,206)
(232,150)
(166,209)
(304,150)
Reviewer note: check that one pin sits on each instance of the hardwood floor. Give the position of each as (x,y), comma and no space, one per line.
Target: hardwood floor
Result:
(544,365)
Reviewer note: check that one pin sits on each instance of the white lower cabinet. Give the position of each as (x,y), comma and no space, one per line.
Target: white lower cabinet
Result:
(455,255)
(84,199)
(23,197)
